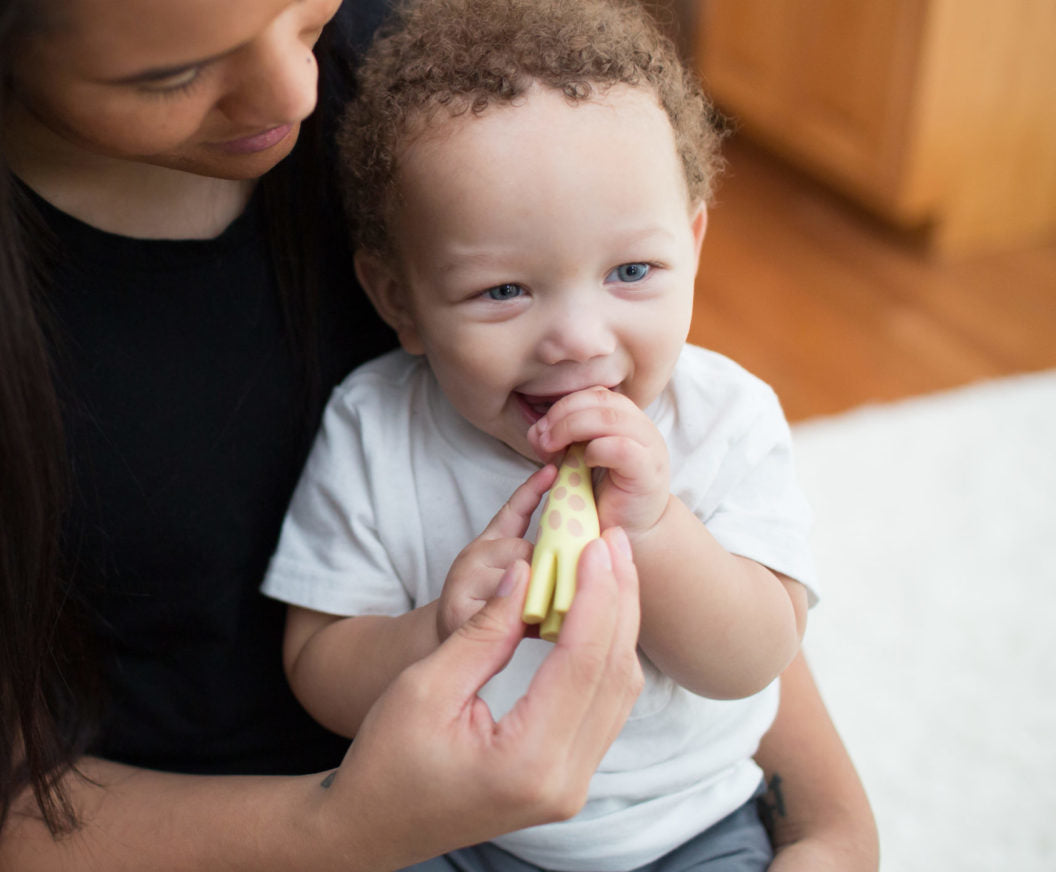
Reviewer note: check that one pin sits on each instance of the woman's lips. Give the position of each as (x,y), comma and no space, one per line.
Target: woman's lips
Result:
(258,141)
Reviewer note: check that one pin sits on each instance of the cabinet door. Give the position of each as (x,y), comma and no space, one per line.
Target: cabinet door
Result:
(828,82)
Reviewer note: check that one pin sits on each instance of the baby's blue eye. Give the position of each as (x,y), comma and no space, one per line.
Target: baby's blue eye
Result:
(504,292)
(629,272)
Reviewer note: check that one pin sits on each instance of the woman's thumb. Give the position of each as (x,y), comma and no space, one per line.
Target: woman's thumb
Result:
(484,644)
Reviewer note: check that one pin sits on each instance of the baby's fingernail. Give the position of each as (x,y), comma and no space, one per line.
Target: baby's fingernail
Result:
(508,582)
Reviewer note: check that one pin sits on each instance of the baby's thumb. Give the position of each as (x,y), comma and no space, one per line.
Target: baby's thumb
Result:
(484,644)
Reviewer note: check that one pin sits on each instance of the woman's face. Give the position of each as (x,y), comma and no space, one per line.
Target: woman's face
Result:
(213,88)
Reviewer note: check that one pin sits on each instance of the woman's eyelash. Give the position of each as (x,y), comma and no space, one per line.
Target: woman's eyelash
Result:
(173,85)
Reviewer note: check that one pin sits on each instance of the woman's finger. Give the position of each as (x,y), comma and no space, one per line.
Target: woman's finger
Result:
(584,690)
(623,679)
(481,646)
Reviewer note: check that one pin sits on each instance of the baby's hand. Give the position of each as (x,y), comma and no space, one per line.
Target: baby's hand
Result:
(478,569)
(622,440)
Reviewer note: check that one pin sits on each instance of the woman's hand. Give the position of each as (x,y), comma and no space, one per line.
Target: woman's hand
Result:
(431,771)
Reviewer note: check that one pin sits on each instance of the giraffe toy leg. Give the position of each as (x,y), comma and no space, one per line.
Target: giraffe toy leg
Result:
(569,521)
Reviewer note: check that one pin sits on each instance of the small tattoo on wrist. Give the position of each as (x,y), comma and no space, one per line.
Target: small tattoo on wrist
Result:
(326,782)
(771,804)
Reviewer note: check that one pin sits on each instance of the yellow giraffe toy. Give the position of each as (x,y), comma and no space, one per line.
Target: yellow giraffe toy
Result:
(569,521)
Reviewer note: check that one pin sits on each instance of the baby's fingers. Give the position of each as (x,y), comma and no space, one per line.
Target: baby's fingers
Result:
(633,467)
(587,415)
(512,520)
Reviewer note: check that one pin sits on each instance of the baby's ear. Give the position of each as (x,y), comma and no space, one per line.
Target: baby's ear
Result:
(389,296)
(699,225)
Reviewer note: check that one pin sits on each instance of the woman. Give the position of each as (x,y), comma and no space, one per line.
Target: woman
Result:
(176,303)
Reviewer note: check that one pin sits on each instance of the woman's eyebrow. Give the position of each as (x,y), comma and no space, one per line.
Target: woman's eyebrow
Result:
(156,73)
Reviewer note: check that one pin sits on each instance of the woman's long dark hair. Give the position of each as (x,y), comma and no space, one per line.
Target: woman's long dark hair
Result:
(49,692)
(41,726)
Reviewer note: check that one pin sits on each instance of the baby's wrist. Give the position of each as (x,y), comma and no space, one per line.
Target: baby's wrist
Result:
(649,526)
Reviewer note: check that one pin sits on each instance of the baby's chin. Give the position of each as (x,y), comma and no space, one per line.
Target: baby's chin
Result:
(524,448)
(515,439)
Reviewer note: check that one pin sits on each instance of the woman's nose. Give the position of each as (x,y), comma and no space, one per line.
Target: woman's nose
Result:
(278,81)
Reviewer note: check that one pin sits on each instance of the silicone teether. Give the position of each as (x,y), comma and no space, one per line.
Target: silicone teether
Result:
(569,521)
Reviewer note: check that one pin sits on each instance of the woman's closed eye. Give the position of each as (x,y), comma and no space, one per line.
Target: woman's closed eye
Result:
(171,84)
(628,273)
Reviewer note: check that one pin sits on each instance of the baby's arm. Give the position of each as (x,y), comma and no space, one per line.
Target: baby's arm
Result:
(721,625)
(339,666)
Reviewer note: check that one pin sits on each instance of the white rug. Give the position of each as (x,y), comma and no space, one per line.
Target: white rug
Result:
(935,642)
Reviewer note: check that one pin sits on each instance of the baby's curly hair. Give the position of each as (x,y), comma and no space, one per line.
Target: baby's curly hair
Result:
(462,56)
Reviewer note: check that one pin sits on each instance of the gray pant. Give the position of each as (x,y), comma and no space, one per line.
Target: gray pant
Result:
(737,843)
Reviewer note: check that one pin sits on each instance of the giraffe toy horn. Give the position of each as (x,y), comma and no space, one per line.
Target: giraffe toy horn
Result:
(569,521)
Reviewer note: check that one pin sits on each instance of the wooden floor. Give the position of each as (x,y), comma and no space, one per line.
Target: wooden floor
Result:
(834,309)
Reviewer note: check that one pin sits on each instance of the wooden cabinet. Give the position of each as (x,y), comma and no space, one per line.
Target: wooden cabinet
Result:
(937,114)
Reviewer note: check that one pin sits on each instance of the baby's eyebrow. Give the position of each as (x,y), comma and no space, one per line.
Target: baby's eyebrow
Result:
(639,235)
(467,259)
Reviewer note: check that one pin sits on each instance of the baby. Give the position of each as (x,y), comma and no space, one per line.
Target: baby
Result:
(528,182)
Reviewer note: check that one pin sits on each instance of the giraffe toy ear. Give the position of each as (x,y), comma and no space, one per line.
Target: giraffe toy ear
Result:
(389,295)
(569,521)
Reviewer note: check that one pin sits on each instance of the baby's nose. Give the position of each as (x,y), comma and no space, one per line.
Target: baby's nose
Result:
(577,333)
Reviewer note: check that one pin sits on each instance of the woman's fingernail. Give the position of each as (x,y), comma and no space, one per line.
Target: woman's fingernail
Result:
(602,554)
(621,541)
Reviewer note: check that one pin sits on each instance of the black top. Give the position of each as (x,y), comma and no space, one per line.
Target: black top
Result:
(187,427)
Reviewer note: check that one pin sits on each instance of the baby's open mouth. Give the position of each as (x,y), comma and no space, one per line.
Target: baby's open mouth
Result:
(536,406)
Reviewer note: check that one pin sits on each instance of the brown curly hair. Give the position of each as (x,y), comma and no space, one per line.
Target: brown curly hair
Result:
(461,56)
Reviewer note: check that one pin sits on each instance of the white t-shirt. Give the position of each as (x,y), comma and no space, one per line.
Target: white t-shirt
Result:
(398,483)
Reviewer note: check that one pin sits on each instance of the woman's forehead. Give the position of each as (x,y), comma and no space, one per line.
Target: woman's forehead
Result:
(119,38)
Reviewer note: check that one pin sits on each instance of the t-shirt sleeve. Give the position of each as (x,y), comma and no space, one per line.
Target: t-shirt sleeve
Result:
(740,480)
(330,556)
